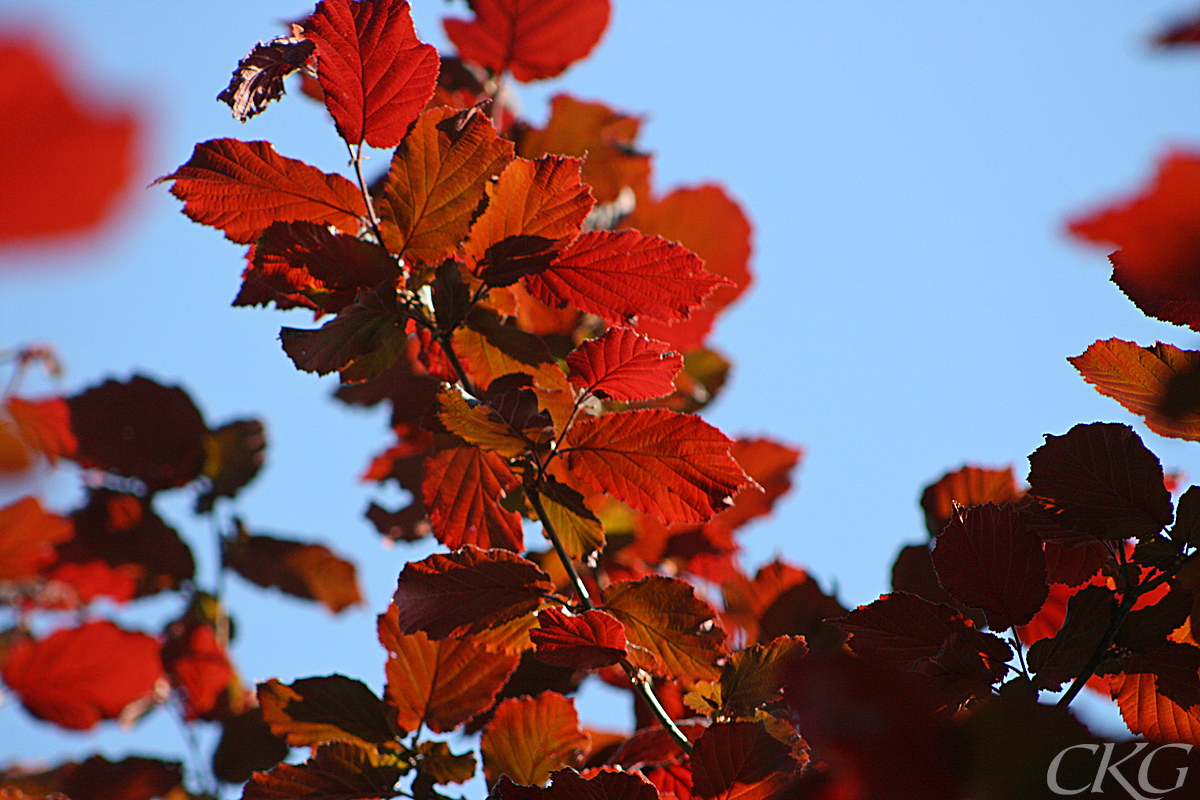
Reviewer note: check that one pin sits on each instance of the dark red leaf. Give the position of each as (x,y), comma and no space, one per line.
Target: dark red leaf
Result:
(1062,657)
(903,629)
(589,640)
(236,452)
(968,486)
(308,571)
(362,340)
(375,73)
(1185,32)
(314,710)
(259,76)
(567,784)
(338,770)
(624,366)
(247,746)
(741,760)
(533,39)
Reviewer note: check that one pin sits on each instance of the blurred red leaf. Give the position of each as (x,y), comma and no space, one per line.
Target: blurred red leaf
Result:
(34,427)
(1138,377)
(375,73)
(462,490)
(589,640)
(198,667)
(246,746)
(968,486)
(770,465)
(28,534)
(242,187)
(1099,479)
(624,366)
(567,784)
(626,275)
(741,760)
(259,76)
(314,710)
(674,633)
(530,737)
(675,467)
(337,770)
(1183,32)
(72,679)
(534,39)
(235,453)
(987,559)
(97,778)
(1158,233)
(437,181)
(782,600)
(65,158)
(308,571)
(439,684)
(467,591)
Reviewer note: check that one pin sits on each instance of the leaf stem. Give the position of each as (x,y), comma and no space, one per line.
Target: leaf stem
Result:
(356,158)
(457,366)
(568,564)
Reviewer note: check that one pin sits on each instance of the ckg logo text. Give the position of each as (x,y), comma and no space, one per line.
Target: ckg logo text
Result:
(1131,774)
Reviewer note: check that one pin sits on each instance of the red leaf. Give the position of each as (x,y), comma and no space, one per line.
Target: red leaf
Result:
(1158,233)
(259,76)
(624,366)
(375,73)
(360,342)
(72,679)
(28,534)
(242,187)
(530,737)
(467,591)
(1185,32)
(675,467)
(1150,713)
(625,275)
(987,559)
(308,571)
(534,39)
(462,490)
(741,760)
(314,710)
(41,427)
(589,640)
(567,784)
(1061,658)
(968,486)
(441,684)
(199,668)
(65,158)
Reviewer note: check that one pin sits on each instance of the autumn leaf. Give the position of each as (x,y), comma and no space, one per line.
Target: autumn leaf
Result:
(314,710)
(66,157)
(70,678)
(1184,32)
(1138,378)
(437,181)
(578,529)
(242,187)
(28,534)
(1099,479)
(987,559)
(624,276)
(622,365)
(1158,235)
(247,746)
(360,342)
(741,760)
(440,684)
(753,677)
(589,640)
(532,39)
(479,425)
(467,591)
(1150,713)
(34,428)
(673,632)
(375,73)
(258,78)
(234,454)
(675,467)
(337,770)
(96,778)
(199,668)
(530,737)
(1061,657)
(307,571)
(490,349)
(567,784)
(462,490)
(968,486)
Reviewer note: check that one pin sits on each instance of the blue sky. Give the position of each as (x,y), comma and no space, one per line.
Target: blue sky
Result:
(907,167)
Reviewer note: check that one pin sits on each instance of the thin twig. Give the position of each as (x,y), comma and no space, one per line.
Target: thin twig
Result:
(356,159)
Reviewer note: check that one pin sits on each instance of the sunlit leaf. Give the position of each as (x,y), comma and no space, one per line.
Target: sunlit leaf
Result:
(28,534)
(442,766)
(624,366)
(462,490)
(40,428)
(199,668)
(753,677)
(530,737)
(479,425)
(578,529)
(337,770)
(674,632)
(589,640)
(1137,378)
(1150,713)
(741,760)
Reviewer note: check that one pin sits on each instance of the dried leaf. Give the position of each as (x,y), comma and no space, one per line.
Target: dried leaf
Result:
(259,76)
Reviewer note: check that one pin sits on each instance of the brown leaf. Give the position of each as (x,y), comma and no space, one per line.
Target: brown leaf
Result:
(753,677)
(1062,657)
(673,631)
(968,486)
(308,571)
(234,454)
(310,711)
(247,746)
(259,76)
(337,770)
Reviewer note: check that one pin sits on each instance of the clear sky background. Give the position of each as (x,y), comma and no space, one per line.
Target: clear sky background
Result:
(907,166)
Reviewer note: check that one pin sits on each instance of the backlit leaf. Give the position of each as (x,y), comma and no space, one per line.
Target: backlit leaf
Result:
(489,349)
(741,760)
(567,784)
(1150,713)
(34,427)
(467,591)
(462,491)
(1062,657)
(673,632)
(479,425)
(769,464)
(1158,233)
(987,559)
(675,467)
(1137,378)
(375,73)
(589,640)
(28,534)
(71,678)
(338,770)
(259,76)
(624,276)
(968,486)
(314,710)
(1099,479)
(532,39)
(530,737)
(783,600)
(199,668)
(578,529)
(624,366)
(753,677)
(234,455)
(308,571)
(440,684)
(437,181)
(359,333)
(242,187)
(442,766)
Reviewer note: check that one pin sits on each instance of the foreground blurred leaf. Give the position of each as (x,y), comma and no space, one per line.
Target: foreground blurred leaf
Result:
(309,571)
(314,710)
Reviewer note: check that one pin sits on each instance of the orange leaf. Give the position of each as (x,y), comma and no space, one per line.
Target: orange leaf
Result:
(624,366)
(440,684)
(199,668)
(462,490)
(625,275)
(674,632)
(1137,378)
(242,187)
(72,679)
(675,467)
(530,737)
(437,181)
(65,159)
(534,39)
(309,571)
(589,640)
(1150,713)
(1158,233)
(479,425)
(375,73)
(28,534)
(42,427)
